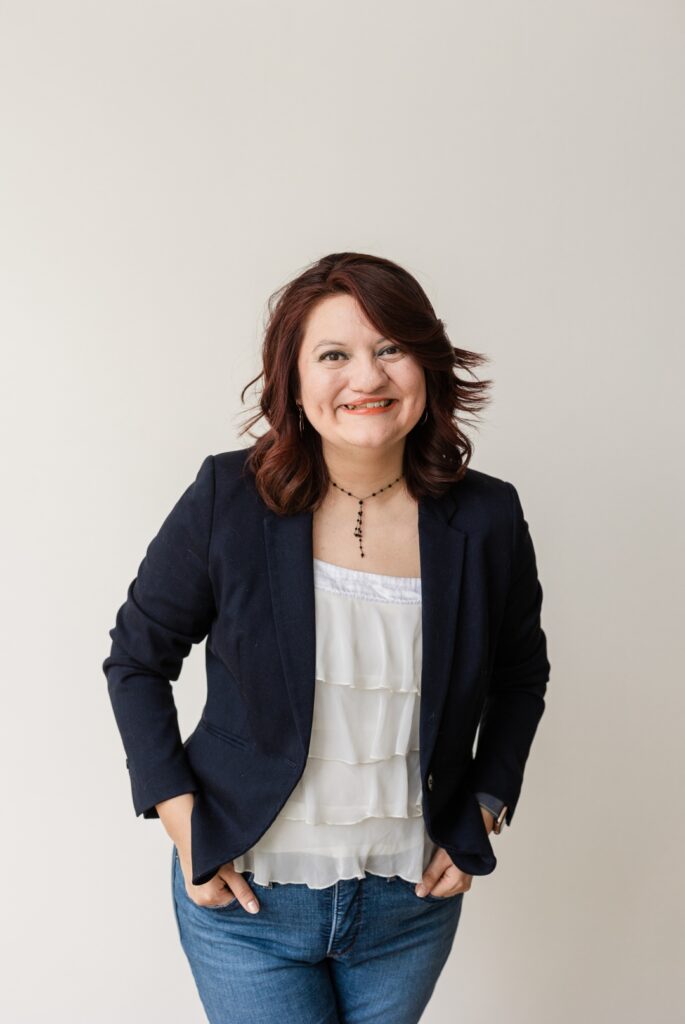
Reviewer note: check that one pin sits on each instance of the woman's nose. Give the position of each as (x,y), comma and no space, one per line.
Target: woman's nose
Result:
(367,377)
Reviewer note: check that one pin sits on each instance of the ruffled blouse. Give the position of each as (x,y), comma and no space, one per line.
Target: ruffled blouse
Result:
(357,807)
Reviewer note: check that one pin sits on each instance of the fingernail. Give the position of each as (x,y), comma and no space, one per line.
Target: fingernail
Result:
(420,890)
(252,906)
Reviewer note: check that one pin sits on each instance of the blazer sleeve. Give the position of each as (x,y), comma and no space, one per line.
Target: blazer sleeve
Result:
(516,696)
(169,607)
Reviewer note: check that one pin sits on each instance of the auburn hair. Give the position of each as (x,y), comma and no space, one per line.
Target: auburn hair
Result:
(289,469)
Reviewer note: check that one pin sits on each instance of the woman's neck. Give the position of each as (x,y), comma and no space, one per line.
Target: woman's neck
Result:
(366,471)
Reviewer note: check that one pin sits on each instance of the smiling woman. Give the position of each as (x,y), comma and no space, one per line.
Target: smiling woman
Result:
(354,329)
(329,814)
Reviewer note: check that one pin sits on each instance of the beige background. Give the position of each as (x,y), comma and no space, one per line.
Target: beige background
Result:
(165,166)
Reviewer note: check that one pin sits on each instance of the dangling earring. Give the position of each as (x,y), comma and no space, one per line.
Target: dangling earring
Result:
(301,418)
(425,416)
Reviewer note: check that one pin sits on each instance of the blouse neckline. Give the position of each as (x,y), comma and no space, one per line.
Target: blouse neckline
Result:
(371,586)
(344,571)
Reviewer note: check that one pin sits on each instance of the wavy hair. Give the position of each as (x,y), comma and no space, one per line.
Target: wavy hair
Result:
(289,469)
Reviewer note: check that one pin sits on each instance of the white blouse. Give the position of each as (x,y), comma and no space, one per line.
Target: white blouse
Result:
(357,807)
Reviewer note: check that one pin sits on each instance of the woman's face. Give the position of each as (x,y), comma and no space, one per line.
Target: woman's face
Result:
(343,360)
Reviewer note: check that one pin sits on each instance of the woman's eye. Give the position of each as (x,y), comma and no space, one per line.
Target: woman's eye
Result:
(333,352)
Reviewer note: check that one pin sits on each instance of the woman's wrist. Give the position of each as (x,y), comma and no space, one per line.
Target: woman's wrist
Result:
(175,816)
(488,819)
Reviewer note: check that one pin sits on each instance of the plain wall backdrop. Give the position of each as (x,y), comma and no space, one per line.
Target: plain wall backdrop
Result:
(165,166)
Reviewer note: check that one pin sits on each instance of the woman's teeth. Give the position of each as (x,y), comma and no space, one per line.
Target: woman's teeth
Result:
(372,405)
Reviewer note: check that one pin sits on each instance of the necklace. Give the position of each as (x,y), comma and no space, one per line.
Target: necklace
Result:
(358,527)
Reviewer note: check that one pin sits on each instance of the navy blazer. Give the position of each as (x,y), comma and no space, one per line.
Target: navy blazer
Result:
(225,567)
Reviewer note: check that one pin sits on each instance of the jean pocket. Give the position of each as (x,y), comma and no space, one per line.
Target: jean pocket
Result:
(235,902)
(222,906)
(429,897)
(178,880)
(249,878)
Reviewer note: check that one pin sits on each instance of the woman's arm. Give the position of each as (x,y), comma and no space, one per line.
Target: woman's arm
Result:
(169,607)
(516,697)
(175,817)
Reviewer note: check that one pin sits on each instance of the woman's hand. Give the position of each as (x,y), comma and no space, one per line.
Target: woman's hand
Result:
(442,877)
(175,815)
(226,882)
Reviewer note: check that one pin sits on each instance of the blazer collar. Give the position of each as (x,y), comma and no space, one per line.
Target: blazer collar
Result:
(289,551)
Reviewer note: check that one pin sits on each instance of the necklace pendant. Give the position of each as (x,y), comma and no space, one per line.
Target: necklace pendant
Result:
(358,527)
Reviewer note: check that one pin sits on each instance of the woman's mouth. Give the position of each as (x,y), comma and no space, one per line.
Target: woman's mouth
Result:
(370,408)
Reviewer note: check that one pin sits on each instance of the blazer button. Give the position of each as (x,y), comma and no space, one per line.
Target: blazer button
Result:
(429,780)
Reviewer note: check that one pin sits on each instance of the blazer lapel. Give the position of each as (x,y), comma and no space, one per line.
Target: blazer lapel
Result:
(289,552)
(441,547)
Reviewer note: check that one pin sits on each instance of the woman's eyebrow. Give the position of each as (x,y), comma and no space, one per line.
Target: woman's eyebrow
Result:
(319,344)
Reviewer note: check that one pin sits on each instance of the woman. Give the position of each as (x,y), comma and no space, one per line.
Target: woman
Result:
(370,603)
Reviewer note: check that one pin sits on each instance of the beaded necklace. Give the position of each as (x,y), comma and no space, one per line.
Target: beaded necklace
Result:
(358,527)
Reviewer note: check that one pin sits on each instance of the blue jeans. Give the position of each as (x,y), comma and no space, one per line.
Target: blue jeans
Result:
(363,951)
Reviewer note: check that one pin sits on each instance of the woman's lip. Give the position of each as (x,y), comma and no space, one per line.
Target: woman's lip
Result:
(363,410)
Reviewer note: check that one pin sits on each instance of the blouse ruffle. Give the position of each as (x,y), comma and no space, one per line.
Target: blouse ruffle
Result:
(358,806)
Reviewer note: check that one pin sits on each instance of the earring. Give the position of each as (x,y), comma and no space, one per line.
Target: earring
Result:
(301,418)
(425,416)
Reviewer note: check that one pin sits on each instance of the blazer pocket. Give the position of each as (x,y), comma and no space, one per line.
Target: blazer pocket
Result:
(224,734)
